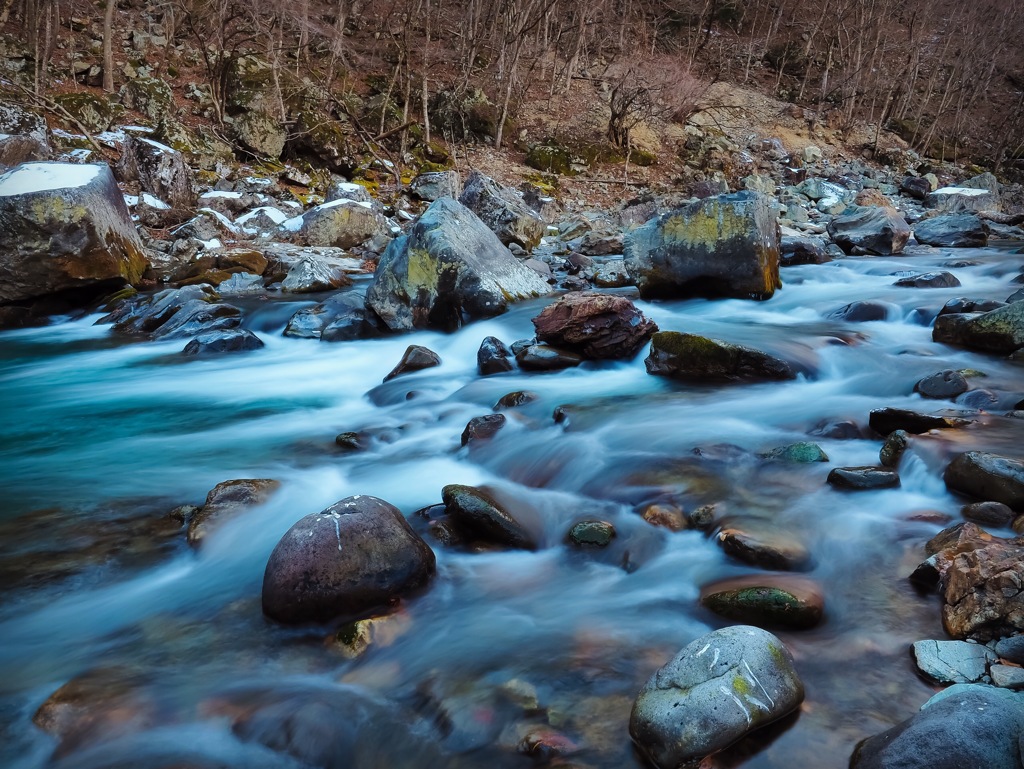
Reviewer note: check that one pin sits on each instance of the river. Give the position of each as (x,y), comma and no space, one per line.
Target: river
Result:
(102,436)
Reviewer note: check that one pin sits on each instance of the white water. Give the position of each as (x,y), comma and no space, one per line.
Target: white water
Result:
(92,423)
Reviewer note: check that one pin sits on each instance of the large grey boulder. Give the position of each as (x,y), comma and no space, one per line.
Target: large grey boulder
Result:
(966,725)
(64,226)
(503,211)
(23,136)
(342,223)
(974,195)
(260,133)
(720,246)
(952,662)
(356,556)
(448,266)
(175,313)
(861,230)
(1000,330)
(436,184)
(159,170)
(952,231)
(715,691)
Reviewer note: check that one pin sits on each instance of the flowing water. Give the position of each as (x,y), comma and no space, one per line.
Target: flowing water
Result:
(101,437)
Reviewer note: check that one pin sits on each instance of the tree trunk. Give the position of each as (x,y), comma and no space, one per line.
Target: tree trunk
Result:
(108,46)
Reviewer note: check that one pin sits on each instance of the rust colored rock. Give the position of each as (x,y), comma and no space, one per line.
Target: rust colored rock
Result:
(594,325)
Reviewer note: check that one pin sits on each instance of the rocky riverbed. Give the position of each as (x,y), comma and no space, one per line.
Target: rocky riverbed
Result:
(468,477)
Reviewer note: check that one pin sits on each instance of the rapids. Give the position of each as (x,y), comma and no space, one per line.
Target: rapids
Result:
(101,437)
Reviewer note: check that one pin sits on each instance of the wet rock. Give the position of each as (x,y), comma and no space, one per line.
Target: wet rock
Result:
(716,690)
(1011,649)
(987,476)
(703,517)
(669,517)
(955,231)
(503,211)
(349,441)
(842,430)
(448,266)
(314,274)
(979,399)
(952,328)
(597,326)
(892,450)
(962,304)
(64,227)
(858,312)
(241,284)
(691,357)
(929,280)
(769,601)
(356,556)
(493,357)
(159,170)
(482,428)
(341,223)
(415,358)
(869,231)
(344,313)
(226,501)
(967,725)
(999,331)
(988,513)
(217,342)
(761,544)
(542,357)
(952,662)
(1007,677)
(863,478)
(483,518)
(889,420)
(942,385)
(175,313)
(592,533)
(800,453)
(720,246)
(432,185)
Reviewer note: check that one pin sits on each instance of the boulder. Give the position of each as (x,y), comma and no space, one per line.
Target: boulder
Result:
(432,185)
(260,133)
(320,137)
(759,543)
(999,331)
(770,601)
(942,385)
(482,428)
(228,500)
(342,223)
(858,312)
(989,513)
(929,280)
(690,357)
(715,691)
(339,189)
(159,170)
(217,342)
(1007,677)
(174,313)
(150,96)
(64,227)
(503,211)
(887,420)
(916,187)
(477,513)
(542,357)
(726,245)
(863,478)
(355,557)
(865,231)
(448,266)
(314,273)
(988,477)
(23,136)
(952,231)
(493,357)
(966,725)
(952,328)
(892,450)
(591,534)
(954,200)
(952,662)
(597,326)
(415,358)
(962,305)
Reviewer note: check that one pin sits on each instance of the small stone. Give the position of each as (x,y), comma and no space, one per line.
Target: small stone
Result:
(416,358)
(515,399)
(1011,649)
(1007,677)
(596,533)
(893,448)
(482,428)
(861,478)
(349,441)
(942,385)
(952,662)
(703,517)
(989,513)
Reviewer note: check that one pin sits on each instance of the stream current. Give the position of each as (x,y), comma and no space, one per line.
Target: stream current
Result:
(102,436)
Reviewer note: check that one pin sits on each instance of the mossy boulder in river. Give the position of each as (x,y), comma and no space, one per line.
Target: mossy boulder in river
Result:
(448,268)
(718,689)
(64,227)
(691,357)
(358,555)
(999,331)
(773,601)
(720,246)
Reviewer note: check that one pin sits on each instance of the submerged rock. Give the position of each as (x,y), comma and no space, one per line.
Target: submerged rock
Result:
(803,452)
(483,518)
(770,601)
(227,500)
(759,543)
(592,534)
(929,280)
(966,725)
(865,231)
(64,227)
(942,385)
(218,342)
(543,357)
(482,428)
(857,312)
(687,356)
(722,246)
(358,555)
(594,325)
(449,266)
(716,690)
(862,478)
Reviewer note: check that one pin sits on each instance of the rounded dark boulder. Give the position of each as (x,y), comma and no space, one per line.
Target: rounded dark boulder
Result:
(415,358)
(221,341)
(942,384)
(484,518)
(493,357)
(356,556)
(863,478)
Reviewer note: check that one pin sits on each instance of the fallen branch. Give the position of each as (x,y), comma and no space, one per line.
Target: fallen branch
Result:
(613,181)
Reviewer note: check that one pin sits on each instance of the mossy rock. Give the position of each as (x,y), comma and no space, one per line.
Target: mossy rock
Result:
(767,606)
(643,158)
(804,452)
(592,533)
(148,95)
(550,158)
(95,113)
